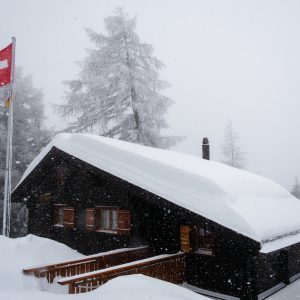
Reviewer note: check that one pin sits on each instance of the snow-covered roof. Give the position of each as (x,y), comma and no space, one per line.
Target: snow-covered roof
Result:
(239,200)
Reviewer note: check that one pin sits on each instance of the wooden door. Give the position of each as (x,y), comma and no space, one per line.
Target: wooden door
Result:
(185,238)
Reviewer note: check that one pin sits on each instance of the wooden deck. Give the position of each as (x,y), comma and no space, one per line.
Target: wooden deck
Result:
(168,267)
(89,263)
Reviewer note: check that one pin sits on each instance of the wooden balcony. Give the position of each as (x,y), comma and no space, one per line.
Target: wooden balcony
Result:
(89,263)
(168,267)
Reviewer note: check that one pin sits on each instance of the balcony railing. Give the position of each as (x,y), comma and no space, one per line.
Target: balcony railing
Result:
(89,263)
(168,267)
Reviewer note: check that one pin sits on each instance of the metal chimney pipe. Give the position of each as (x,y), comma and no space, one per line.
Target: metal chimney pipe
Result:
(205,149)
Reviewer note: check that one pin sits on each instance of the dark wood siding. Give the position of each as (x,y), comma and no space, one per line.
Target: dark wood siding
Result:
(294,260)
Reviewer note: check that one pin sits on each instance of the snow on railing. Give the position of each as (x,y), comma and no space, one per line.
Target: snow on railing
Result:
(168,267)
(89,263)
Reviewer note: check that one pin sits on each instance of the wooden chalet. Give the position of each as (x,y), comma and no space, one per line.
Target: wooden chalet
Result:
(226,232)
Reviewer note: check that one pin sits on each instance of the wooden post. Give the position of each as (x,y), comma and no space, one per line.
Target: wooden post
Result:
(72,288)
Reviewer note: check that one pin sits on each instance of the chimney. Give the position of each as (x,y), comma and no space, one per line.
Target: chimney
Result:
(205,149)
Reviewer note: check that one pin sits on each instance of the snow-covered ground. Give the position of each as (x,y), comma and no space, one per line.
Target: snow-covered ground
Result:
(290,292)
(131,287)
(31,250)
(16,254)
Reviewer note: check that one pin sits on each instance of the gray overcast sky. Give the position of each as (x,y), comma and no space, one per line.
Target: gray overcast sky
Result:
(224,59)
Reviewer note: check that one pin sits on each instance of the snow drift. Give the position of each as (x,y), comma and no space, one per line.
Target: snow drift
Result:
(131,287)
(32,250)
(17,254)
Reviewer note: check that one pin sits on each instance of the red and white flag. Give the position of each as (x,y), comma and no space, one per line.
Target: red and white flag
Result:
(5,65)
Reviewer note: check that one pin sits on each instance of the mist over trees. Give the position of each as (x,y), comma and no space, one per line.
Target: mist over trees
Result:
(29,133)
(296,188)
(118,92)
(231,150)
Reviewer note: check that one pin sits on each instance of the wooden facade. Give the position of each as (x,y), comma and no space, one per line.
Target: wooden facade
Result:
(92,211)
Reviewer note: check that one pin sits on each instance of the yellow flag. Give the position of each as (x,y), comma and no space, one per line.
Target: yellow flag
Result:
(7,102)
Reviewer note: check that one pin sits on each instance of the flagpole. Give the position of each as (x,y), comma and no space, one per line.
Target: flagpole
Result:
(8,166)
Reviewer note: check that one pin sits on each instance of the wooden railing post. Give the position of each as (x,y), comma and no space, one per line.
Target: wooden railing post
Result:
(72,288)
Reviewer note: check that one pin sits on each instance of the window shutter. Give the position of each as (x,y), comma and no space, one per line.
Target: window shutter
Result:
(58,214)
(97,218)
(90,219)
(69,217)
(124,223)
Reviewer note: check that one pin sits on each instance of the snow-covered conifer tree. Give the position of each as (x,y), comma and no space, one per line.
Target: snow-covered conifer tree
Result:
(232,154)
(118,90)
(296,189)
(29,134)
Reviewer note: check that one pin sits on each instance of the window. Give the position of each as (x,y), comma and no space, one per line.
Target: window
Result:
(63,216)
(105,219)
(205,241)
(114,219)
(108,219)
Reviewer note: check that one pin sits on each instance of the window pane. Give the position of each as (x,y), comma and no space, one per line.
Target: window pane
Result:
(114,219)
(105,219)
(205,238)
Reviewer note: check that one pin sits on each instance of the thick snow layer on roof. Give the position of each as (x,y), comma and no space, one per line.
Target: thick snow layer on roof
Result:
(244,202)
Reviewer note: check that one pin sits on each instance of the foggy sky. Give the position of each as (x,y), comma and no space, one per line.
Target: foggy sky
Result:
(224,59)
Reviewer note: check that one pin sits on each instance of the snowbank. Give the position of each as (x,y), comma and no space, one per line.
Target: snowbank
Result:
(290,292)
(17,254)
(33,250)
(138,287)
(131,287)
(244,202)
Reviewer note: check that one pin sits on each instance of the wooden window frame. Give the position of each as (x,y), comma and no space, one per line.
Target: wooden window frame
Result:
(110,209)
(206,242)
(121,225)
